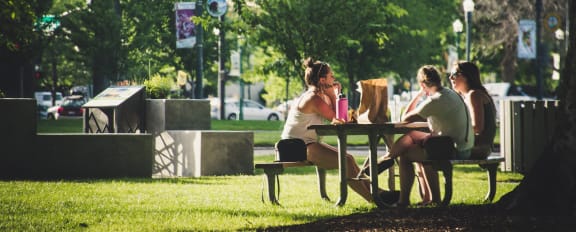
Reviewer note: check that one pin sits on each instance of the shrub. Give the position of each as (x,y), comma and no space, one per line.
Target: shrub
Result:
(158,86)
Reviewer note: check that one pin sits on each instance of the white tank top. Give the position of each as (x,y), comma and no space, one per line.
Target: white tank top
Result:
(297,124)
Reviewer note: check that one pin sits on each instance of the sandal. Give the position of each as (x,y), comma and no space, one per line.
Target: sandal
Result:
(427,204)
(382,166)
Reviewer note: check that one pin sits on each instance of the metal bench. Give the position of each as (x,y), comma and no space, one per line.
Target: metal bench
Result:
(489,164)
(273,169)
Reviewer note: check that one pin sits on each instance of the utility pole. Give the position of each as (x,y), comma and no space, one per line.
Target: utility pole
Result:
(221,69)
(538,51)
(198,92)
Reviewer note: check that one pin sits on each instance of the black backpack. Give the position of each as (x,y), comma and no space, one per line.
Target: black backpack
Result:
(290,150)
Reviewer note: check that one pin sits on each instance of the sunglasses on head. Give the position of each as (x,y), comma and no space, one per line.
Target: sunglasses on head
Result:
(320,69)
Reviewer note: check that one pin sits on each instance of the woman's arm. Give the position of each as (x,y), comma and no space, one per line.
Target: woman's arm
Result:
(476,107)
(318,104)
(408,115)
(323,108)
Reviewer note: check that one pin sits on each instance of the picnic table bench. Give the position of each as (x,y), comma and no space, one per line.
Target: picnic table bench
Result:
(273,169)
(490,164)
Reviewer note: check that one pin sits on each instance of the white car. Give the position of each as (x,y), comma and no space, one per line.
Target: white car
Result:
(44,101)
(284,107)
(251,110)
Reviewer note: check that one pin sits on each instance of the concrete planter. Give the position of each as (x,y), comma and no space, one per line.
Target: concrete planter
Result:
(177,114)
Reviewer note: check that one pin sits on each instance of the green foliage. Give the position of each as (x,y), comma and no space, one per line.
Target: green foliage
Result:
(115,40)
(288,27)
(158,86)
(272,68)
(496,48)
(18,33)
(373,35)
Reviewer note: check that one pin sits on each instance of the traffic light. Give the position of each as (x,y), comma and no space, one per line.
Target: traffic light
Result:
(38,75)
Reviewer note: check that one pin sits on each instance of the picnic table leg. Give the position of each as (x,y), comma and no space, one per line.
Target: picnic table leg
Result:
(389,141)
(342,164)
(446,168)
(322,182)
(271,175)
(374,190)
(491,169)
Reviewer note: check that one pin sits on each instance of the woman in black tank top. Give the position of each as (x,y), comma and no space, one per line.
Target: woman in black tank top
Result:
(466,81)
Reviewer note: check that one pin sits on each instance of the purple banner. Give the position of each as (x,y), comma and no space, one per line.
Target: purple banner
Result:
(185,28)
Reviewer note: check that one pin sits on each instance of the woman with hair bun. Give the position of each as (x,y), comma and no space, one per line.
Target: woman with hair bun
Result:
(315,106)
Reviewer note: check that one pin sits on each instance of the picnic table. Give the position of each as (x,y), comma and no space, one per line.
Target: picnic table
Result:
(374,133)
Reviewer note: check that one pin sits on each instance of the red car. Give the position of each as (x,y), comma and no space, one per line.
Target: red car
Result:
(71,107)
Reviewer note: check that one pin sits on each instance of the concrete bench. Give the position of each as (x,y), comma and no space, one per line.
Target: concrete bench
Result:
(273,169)
(489,164)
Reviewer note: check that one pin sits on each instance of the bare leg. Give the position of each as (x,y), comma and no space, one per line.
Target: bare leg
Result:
(433,183)
(423,183)
(406,180)
(326,156)
(407,141)
(413,153)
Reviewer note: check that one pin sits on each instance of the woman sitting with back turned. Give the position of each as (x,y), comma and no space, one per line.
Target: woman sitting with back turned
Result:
(446,115)
(465,79)
(313,107)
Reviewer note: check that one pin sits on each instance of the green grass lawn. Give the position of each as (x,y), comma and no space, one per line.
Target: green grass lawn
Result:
(228,203)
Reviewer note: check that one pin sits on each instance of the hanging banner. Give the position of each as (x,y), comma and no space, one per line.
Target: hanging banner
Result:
(235,64)
(185,28)
(527,39)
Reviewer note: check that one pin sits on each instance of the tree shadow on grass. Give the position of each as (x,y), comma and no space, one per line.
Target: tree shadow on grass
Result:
(488,217)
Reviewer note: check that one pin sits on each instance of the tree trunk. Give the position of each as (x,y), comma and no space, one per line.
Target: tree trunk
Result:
(550,187)
(508,63)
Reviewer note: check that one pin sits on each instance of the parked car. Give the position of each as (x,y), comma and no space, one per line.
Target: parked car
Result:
(284,107)
(71,107)
(251,110)
(44,101)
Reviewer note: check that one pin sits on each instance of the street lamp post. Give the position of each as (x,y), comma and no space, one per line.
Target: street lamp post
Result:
(558,63)
(458,27)
(468,6)
(221,70)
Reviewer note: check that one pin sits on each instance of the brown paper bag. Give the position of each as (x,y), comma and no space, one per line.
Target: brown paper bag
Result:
(373,101)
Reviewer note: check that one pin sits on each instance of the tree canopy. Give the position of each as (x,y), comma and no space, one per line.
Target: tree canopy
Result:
(112,40)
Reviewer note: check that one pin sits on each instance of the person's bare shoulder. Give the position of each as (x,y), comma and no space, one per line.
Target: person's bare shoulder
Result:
(478,96)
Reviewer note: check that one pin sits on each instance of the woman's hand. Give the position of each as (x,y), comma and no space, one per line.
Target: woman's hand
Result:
(337,87)
(331,91)
(336,121)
